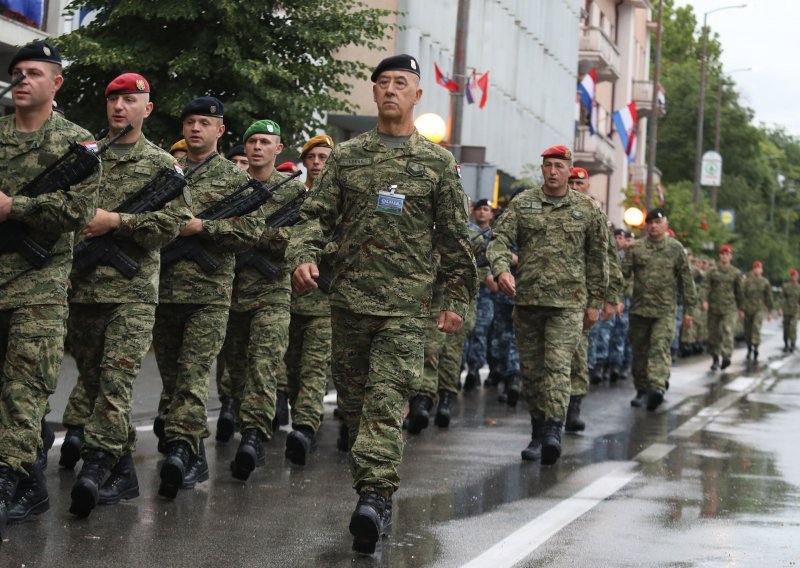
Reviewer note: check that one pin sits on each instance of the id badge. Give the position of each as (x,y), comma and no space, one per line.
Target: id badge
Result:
(391,202)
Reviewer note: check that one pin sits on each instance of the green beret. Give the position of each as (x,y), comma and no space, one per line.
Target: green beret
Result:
(264,126)
(396,63)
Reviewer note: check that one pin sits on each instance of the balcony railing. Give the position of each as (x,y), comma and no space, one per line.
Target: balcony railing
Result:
(596,49)
(594,152)
(643,95)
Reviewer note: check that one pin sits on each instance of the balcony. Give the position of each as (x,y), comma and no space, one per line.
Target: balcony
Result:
(639,4)
(595,49)
(638,173)
(593,152)
(643,95)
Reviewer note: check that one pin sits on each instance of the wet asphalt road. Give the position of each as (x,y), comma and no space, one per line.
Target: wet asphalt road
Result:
(710,479)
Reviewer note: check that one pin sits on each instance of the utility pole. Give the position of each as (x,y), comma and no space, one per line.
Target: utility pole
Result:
(459,76)
(698,147)
(652,125)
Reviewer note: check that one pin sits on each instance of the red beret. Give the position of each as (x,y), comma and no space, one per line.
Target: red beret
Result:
(757,264)
(560,152)
(793,271)
(128,83)
(578,173)
(288,167)
(726,248)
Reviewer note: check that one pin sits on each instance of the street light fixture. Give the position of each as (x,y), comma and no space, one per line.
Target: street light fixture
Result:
(698,158)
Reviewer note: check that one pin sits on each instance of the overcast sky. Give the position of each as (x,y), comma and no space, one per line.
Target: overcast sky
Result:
(766,37)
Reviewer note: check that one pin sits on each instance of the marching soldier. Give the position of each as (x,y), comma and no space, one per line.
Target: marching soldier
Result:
(723,290)
(757,294)
(790,296)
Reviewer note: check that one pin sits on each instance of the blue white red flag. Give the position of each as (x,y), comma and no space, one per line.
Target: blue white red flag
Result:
(586,89)
(625,121)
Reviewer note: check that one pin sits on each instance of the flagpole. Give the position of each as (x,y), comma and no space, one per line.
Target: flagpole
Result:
(459,76)
(652,125)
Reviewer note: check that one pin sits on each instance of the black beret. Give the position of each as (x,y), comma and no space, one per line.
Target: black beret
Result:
(618,232)
(657,213)
(38,50)
(481,203)
(396,63)
(204,106)
(237,150)
(628,234)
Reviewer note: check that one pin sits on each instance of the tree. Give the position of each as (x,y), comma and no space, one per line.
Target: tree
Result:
(270,59)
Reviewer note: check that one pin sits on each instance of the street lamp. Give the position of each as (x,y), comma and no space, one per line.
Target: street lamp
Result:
(698,158)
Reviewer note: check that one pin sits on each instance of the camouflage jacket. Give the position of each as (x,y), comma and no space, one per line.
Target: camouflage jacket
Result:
(757,293)
(563,260)
(184,282)
(723,288)
(615,291)
(50,218)
(140,236)
(384,263)
(251,289)
(659,270)
(790,298)
(480,240)
(314,302)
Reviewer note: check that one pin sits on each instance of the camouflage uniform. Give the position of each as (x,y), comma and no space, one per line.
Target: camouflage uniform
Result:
(723,288)
(110,325)
(505,355)
(563,268)
(33,303)
(790,299)
(690,336)
(660,270)
(478,336)
(757,294)
(258,327)
(619,348)
(382,282)
(192,313)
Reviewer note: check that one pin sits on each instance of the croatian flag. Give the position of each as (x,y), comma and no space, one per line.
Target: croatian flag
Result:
(625,121)
(444,80)
(586,89)
(471,89)
(483,85)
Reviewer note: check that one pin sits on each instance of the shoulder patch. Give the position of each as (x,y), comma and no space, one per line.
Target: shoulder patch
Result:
(576,214)
(187,195)
(415,168)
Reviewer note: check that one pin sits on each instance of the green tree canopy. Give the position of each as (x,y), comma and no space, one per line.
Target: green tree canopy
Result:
(270,59)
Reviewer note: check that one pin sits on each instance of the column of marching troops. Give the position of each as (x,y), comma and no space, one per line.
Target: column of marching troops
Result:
(370,271)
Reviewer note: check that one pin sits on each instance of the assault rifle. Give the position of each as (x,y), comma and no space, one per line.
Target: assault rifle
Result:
(234,205)
(76,165)
(20,78)
(287,216)
(154,195)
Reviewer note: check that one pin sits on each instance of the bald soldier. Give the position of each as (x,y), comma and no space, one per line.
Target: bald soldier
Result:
(561,281)
(396,198)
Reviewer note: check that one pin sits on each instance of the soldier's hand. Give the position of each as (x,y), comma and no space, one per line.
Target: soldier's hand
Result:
(193,227)
(5,206)
(705,306)
(305,277)
(449,322)
(514,259)
(620,308)
(687,321)
(590,317)
(741,314)
(491,283)
(608,311)
(507,284)
(103,222)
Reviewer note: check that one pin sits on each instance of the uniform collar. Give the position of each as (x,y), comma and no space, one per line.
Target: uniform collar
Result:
(373,143)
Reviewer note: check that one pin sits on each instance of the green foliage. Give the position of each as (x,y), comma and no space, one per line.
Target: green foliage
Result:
(270,59)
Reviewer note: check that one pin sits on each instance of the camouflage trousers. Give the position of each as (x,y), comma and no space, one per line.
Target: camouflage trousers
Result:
(254,349)
(477,340)
(377,363)
(186,339)
(443,357)
(504,341)
(108,342)
(547,338)
(31,350)
(720,333)
(223,378)
(752,327)
(619,345)
(676,335)
(699,325)
(307,360)
(599,338)
(650,344)
(790,328)
(434,343)
(579,367)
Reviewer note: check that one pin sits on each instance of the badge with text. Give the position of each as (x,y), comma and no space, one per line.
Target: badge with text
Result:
(390,201)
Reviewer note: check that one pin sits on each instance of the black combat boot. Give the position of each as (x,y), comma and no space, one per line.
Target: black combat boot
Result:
(366,522)
(249,455)
(513,388)
(281,411)
(614,373)
(574,422)
(726,362)
(785,345)
(640,399)
(122,483)
(173,471)
(159,426)
(299,443)
(197,472)
(445,409)
(71,448)
(86,491)
(226,421)
(473,378)
(492,379)
(749,352)
(715,363)
(8,486)
(534,450)
(596,374)
(31,497)
(419,413)
(755,352)
(48,439)
(551,441)
(387,519)
(654,399)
